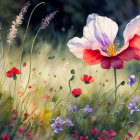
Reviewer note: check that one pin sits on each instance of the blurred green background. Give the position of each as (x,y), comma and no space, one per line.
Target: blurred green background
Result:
(71,18)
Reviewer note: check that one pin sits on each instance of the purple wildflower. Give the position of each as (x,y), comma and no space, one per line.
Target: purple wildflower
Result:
(132,106)
(58,124)
(69,122)
(46,21)
(132,80)
(87,109)
(73,109)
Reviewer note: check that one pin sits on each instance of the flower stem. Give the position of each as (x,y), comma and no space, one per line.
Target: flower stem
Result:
(27,30)
(115,77)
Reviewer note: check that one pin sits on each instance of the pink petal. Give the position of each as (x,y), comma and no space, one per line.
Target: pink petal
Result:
(105,63)
(117,63)
(92,57)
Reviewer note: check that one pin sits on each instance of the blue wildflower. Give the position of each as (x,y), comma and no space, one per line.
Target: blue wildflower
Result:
(87,109)
(73,109)
(132,80)
(69,122)
(132,106)
(58,124)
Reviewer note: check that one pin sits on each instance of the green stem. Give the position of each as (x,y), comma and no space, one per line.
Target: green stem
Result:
(31,59)
(64,97)
(115,77)
(27,30)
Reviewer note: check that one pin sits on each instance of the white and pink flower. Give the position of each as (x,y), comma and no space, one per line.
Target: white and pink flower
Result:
(98,46)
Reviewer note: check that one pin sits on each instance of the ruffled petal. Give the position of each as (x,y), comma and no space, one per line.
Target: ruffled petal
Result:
(91,17)
(105,63)
(92,57)
(132,28)
(99,25)
(78,45)
(117,63)
(128,54)
(131,52)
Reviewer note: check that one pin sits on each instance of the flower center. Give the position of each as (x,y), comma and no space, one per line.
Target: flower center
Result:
(58,125)
(133,107)
(112,48)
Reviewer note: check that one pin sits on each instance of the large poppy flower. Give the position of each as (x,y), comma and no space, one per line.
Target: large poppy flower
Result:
(98,46)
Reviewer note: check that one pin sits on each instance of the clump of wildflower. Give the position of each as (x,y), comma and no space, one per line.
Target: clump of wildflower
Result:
(58,124)
(19,19)
(132,80)
(132,106)
(73,109)
(87,109)
(48,18)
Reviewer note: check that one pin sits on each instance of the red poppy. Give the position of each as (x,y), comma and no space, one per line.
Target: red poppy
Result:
(102,137)
(111,133)
(75,132)
(77,92)
(14,118)
(12,72)
(109,103)
(28,134)
(29,86)
(129,135)
(26,115)
(46,96)
(87,79)
(24,64)
(110,138)
(5,136)
(51,89)
(94,131)
(84,138)
(75,136)
(14,112)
